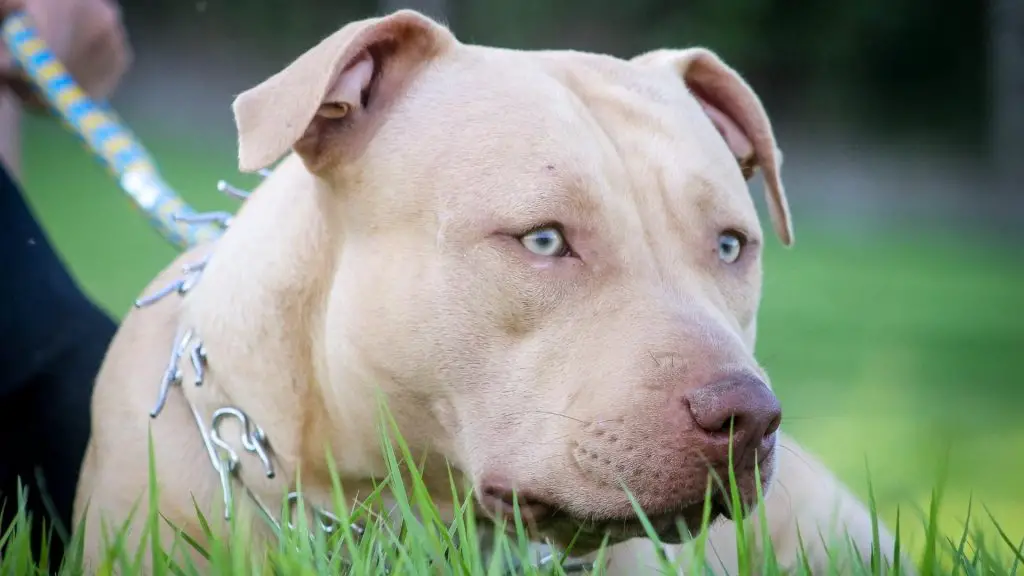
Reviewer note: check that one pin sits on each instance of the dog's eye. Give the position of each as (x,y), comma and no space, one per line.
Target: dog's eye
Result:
(730,246)
(546,241)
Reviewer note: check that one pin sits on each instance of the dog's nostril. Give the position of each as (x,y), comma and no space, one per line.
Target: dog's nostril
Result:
(731,424)
(719,425)
(740,406)
(712,420)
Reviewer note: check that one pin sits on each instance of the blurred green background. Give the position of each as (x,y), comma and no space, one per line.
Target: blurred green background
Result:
(892,330)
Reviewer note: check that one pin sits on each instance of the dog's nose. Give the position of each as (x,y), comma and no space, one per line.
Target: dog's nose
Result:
(742,404)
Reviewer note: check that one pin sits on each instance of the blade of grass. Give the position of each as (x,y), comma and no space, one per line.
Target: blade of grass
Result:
(189,540)
(897,552)
(652,534)
(699,561)
(876,544)
(1017,563)
(157,558)
(742,549)
(341,510)
(929,561)
(770,563)
(1006,538)
(805,562)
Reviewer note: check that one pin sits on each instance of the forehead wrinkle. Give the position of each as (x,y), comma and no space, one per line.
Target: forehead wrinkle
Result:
(624,117)
(681,185)
(651,203)
(614,185)
(547,180)
(565,199)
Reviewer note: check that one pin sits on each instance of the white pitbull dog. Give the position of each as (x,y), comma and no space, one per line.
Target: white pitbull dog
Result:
(547,262)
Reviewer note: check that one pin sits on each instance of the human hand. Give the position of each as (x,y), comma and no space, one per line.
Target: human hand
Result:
(87,36)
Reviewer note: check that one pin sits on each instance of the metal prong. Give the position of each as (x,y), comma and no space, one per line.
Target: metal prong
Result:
(195,266)
(172,375)
(222,219)
(198,357)
(171,378)
(234,192)
(159,294)
(256,442)
(225,469)
(181,286)
(188,282)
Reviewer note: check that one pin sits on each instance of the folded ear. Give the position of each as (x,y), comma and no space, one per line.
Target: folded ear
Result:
(332,88)
(737,113)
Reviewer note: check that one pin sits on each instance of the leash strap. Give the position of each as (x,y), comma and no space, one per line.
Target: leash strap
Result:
(106,136)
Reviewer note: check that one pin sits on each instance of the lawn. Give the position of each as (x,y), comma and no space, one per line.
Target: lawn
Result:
(898,350)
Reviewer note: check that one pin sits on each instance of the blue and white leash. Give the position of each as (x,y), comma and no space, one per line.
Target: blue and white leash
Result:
(106,136)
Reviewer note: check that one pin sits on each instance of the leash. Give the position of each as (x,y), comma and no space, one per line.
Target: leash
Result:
(105,135)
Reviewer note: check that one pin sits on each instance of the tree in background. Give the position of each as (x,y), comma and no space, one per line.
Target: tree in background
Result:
(887,65)
(1007,119)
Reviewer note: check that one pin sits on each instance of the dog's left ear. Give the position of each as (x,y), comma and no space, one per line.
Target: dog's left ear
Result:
(737,113)
(335,90)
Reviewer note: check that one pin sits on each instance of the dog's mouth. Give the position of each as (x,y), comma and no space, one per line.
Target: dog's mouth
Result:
(583,535)
(670,527)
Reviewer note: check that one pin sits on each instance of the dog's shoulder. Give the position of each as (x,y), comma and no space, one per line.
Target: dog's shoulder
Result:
(129,377)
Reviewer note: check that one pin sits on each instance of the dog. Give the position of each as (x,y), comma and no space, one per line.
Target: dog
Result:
(547,262)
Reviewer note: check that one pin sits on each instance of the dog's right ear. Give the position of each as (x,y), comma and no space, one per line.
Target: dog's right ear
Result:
(736,112)
(332,87)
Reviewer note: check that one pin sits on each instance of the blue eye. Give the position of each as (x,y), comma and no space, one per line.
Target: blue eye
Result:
(546,241)
(730,246)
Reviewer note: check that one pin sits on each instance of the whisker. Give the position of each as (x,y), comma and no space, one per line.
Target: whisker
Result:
(789,493)
(559,414)
(797,454)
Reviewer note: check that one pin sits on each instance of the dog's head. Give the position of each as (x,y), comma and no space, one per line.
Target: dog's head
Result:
(549,261)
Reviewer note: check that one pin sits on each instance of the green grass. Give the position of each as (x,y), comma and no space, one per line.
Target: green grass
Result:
(420,540)
(903,349)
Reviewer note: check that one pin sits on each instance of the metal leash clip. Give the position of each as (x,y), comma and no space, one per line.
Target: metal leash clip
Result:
(327,522)
(569,565)
(253,440)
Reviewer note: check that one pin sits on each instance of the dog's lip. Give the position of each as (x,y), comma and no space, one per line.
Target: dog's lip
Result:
(666,525)
(558,522)
(671,527)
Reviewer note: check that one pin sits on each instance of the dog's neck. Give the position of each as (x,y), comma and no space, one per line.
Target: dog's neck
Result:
(259,310)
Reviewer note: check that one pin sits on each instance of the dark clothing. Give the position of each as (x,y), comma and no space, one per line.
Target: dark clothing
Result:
(53,341)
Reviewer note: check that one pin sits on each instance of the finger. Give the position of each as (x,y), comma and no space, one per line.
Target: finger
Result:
(29,95)
(104,53)
(8,6)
